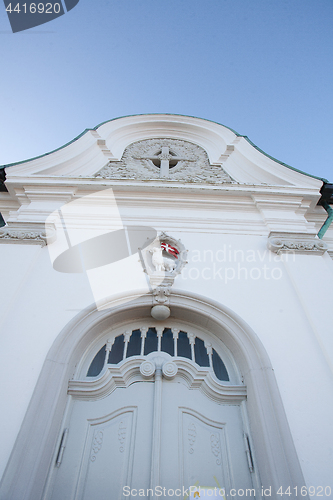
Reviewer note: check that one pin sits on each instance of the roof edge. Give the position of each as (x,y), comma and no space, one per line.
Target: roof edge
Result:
(2,167)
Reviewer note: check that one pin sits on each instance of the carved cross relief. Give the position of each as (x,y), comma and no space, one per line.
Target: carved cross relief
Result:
(165,159)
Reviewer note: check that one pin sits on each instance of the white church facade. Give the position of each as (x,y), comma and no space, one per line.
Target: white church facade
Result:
(166,326)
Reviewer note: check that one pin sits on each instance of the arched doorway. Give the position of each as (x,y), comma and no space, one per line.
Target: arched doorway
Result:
(41,433)
(159,408)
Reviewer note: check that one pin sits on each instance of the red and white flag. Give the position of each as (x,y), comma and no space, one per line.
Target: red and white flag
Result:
(169,249)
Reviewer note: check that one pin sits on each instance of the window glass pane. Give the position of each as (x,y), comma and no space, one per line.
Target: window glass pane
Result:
(183,345)
(167,344)
(97,363)
(219,367)
(134,345)
(151,341)
(201,356)
(117,351)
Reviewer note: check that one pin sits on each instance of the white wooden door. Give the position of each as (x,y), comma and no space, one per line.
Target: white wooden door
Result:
(108,446)
(152,433)
(202,441)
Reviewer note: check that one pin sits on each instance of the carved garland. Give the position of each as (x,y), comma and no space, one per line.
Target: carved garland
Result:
(96,444)
(23,236)
(33,233)
(302,244)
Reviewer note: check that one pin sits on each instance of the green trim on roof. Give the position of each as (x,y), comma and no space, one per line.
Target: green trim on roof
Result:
(281,162)
(167,114)
(49,153)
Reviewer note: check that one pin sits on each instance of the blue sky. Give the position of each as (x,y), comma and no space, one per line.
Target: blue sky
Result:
(261,67)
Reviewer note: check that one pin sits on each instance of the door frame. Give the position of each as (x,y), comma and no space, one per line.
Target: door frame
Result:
(39,436)
(162,369)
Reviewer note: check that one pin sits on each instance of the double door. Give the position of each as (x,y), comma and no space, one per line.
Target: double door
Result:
(151,435)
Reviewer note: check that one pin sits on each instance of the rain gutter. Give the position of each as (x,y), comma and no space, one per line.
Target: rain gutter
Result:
(326,200)
(2,188)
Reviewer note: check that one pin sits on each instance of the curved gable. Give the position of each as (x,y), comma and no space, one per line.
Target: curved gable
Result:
(95,148)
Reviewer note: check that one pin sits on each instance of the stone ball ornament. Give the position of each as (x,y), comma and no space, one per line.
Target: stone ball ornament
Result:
(160,312)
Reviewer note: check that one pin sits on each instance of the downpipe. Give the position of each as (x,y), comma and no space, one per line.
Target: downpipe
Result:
(328,221)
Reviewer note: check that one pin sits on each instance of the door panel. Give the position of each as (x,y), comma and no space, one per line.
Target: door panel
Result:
(105,451)
(100,467)
(202,441)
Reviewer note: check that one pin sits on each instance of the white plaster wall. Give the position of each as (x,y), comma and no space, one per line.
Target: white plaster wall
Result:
(38,303)
(292,317)
(288,307)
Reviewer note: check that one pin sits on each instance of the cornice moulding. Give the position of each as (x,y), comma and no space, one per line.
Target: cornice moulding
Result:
(231,197)
(95,183)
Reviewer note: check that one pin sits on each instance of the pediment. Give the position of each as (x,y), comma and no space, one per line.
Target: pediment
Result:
(121,150)
(183,161)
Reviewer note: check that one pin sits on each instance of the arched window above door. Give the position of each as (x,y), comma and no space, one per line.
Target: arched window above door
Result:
(176,342)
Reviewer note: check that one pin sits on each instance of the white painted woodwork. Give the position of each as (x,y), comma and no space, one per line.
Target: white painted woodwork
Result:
(108,447)
(210,441)
(155,432)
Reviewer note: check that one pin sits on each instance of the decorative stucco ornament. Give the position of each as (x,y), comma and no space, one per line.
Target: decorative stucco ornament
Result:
(27,233)
(167,160)
(162,258)
(147,369)
(170,370)
(301,243)
(161,294)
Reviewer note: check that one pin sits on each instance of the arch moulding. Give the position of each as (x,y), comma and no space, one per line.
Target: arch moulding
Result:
(26,473)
